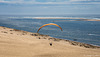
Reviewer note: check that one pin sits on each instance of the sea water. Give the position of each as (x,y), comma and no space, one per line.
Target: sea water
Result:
(80,31)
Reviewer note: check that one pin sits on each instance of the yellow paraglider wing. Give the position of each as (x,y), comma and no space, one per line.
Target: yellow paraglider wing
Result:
(49,24)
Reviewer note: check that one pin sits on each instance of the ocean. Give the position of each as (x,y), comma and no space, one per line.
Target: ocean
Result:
(80,31)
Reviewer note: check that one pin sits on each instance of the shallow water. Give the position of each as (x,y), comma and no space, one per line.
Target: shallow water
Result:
(81,31)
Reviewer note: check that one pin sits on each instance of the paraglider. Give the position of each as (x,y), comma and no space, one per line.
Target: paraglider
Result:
(49,24)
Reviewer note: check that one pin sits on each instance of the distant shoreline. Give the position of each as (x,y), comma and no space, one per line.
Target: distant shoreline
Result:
(55,18)
(76,19)
(79,19)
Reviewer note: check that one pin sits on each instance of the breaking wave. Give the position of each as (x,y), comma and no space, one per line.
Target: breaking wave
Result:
(93,34)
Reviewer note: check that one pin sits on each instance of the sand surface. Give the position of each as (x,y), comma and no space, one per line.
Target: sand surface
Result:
(16,43)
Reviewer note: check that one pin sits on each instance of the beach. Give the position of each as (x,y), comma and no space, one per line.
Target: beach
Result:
(17,43)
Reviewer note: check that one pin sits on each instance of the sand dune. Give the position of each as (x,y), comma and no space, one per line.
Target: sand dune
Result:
(16,43)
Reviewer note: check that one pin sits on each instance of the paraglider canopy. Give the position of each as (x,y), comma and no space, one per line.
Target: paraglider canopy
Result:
(49,24)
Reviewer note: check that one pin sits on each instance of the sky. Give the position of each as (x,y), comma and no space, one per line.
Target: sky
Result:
(49,7)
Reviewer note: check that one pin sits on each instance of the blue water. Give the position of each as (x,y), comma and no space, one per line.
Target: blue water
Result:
(84,31)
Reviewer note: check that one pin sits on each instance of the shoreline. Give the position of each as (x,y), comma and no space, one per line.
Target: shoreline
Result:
(56,18)
(41,36)
(79,19)
(76,19)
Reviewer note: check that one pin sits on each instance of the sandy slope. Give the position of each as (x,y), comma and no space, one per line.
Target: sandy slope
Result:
(15,43)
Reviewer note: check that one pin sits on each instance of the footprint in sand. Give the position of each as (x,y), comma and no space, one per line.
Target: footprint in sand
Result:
(33,34)
(11,33)
(11,30)
(5,32)
(4,28)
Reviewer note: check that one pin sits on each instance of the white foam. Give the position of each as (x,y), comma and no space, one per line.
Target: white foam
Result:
(45,17)
(94,34)
(53,18)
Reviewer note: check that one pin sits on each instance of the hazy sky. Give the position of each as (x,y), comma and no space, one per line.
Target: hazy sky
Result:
(49,7)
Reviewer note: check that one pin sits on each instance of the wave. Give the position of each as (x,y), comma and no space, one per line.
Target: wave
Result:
(79,18)
(47,17)
(94,34)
